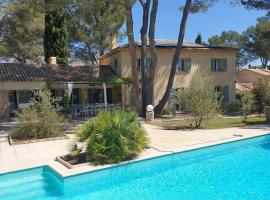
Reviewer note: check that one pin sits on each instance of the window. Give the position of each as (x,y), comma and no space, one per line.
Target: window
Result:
(218,65)
(139,63)
(25,96)
(223,93)
(114,63)
(183,65)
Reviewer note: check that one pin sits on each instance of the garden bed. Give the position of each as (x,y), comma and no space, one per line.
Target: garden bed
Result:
(216,123)
(70,161)
(13,141)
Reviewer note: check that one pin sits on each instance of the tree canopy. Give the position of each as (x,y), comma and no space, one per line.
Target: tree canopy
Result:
(21,31)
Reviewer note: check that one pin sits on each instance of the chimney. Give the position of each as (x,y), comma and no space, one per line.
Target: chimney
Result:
(52,61)
(114,42)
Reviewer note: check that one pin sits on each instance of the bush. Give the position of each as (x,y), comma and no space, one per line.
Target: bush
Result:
(200,98)
(261,92)
(165,112)
(112,137)
(247,104)
(40,120)
(232,107)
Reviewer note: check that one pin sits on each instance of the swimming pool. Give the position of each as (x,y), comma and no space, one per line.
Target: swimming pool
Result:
(237,170)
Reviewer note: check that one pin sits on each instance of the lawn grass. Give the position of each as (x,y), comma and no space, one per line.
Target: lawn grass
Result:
(216,123)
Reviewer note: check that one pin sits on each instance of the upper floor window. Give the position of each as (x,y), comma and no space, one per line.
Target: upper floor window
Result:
(183,65)
(139,63)
(219,65)
(114,63)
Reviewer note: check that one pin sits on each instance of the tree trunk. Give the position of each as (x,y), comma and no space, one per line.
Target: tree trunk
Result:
(181,35)
(264,62)
(143,32)
(133,54)
(153,51)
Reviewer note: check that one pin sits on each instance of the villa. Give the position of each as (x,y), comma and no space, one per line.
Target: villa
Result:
(17,81)
(218,62)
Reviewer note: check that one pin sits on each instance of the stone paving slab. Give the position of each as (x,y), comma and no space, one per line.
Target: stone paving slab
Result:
(162,142)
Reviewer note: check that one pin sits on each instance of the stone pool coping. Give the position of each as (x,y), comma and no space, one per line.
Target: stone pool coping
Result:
(164,142)
(150,154)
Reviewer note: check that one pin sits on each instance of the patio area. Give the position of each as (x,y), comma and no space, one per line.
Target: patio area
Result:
(162,142)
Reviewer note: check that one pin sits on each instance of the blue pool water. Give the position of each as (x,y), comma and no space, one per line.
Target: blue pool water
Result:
(233,171)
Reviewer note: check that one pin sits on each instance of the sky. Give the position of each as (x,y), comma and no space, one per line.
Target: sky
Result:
(222,16)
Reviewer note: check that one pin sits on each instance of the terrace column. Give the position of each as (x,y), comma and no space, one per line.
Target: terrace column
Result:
(4,105)
(105,93)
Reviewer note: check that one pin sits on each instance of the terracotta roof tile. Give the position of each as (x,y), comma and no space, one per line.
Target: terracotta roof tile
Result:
(46,72)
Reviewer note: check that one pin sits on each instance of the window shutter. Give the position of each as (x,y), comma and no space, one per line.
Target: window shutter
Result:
(226,94)
(189,64)
(225,65)
(148,63)
(213,65)
(179,65)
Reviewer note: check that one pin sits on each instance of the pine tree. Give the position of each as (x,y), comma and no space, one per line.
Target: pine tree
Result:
(56,36)
(198,39)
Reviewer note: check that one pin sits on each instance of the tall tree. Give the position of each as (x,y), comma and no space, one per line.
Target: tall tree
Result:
(198,39)
(92,25)
(234,40)
(21,30)
(143,31)
(190,6)
(258,4)
(56,35)
(257,40)
(132,53)
(150,73)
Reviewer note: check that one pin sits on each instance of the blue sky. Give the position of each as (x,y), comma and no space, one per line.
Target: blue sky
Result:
(222,16)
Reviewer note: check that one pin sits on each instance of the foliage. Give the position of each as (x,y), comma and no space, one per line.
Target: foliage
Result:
(200,98)
(261,92)
(56,36)
(40,120)
(113,137)
(92,25)
(232,107)
(118,81)
(21,31)
(198,39)
(66,99)
(234,40)
(215,123)
(257,40)
(247,104)
(165,112)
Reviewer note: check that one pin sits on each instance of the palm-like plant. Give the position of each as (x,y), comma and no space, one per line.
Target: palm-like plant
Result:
(113,137)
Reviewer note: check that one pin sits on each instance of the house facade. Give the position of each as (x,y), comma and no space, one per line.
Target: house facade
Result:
(18,81)
(217,62)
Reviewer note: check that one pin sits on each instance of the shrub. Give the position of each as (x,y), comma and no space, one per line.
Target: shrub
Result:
(247,104)
(261,92)
(200,98)
(232,107)
(66,102)
(40,120)
(165,111)
(112,137)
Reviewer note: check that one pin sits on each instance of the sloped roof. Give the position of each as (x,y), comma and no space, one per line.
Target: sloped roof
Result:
(172,44)
(264,72)
(47,72)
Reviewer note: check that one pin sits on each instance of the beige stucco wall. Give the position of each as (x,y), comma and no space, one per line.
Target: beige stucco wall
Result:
(246,76)
(201,59)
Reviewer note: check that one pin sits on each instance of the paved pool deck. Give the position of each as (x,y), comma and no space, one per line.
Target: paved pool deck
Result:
(162,142)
